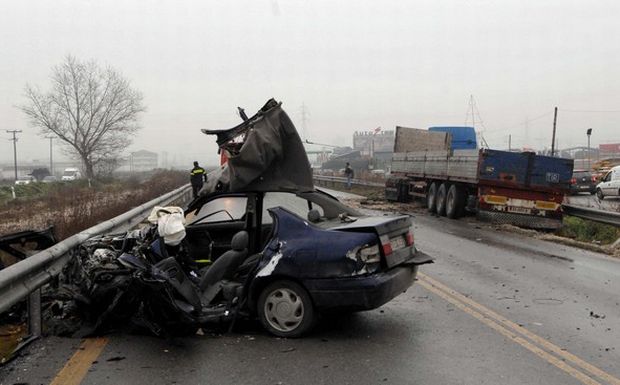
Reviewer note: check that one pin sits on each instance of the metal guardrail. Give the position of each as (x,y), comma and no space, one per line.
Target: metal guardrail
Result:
(607,217)
(341,179)
(23,279)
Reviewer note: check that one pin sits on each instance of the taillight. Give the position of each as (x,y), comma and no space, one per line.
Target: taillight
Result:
(593,178)
(370,254)
(409,237)
(573,181)
(386,245)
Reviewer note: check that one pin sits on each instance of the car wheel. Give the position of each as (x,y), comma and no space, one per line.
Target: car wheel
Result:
(442,192)
(285,309)
(455,201)
(431,197)
(599,194)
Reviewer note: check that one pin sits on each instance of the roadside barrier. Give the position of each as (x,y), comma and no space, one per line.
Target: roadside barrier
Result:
(607,217)
(25,278)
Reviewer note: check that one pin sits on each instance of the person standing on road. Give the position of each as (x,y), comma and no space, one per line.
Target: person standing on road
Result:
(197,177)
(348,172)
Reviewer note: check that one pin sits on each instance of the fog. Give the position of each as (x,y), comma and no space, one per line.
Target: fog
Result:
(355,65)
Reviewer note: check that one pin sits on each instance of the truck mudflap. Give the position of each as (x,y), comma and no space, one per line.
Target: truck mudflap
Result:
(521,220)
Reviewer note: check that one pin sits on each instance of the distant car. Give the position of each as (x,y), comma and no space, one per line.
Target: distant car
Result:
(583,181)
(71,174)
(23,180)
(50,179)
(610,184)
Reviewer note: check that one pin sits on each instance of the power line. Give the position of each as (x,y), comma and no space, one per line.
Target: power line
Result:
(590,111)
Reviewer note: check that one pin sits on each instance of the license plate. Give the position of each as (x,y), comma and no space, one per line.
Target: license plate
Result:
(397,242)
(519,210)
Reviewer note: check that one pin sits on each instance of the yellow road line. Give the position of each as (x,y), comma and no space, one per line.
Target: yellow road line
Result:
(76,368)
(512,336)
(524,332)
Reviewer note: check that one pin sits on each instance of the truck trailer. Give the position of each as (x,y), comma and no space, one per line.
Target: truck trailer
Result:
(444,166)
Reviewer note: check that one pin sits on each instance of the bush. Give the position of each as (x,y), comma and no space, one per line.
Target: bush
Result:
(74,207)
(588,231)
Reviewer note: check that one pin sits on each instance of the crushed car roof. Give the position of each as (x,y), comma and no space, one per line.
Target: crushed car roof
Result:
(264,153)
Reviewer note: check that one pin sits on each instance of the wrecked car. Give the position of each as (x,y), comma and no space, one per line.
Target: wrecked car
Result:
(259,241)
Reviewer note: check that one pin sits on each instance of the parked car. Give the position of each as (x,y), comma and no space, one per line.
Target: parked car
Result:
(71,174)
(50,179)
(583,181)
(25,179)
(610,184)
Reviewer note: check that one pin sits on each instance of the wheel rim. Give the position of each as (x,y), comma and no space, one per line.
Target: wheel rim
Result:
(449,202)
(284,310)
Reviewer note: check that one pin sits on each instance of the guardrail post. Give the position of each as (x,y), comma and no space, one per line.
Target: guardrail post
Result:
(34,313)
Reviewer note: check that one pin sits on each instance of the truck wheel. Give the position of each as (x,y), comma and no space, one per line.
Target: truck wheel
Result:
(442,192)
(431,197)
(599,193)
(285,309)
(455,201)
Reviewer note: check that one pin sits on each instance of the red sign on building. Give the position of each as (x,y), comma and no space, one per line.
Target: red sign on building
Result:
(609,147)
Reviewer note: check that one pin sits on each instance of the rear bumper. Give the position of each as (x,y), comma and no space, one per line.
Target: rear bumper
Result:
(365,292)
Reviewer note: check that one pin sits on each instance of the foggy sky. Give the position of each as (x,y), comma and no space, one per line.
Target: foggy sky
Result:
(356,65)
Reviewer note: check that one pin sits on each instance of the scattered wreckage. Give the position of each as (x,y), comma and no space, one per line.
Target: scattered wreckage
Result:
(258,242)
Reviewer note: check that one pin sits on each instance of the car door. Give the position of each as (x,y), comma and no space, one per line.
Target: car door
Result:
(605,182)
(614,185)
(211,228)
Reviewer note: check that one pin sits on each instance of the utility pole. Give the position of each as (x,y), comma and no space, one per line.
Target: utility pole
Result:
(509,142)
(304,119)
(555,119)
(51,161)
(14,139)
(588,133)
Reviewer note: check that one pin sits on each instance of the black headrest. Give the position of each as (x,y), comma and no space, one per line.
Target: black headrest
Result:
(240,241)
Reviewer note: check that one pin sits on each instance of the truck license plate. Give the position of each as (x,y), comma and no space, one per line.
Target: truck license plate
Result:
(519,210)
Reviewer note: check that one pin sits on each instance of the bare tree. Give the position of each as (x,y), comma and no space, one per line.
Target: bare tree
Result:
(93,110)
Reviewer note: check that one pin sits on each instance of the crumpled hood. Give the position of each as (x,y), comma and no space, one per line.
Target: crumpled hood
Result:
(264,153)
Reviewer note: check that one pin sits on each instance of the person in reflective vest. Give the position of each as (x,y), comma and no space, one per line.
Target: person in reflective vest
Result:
(197,177)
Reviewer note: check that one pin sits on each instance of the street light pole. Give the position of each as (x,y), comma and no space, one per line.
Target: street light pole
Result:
(588,133)
(14,139)
(51,162)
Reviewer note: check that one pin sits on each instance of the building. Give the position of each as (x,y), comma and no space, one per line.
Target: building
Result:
(370,142)
(142,161)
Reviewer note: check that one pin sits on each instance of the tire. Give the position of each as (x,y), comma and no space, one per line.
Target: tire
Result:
(286,310)
(442,192)
(599,193)
(431,198)
(455,202)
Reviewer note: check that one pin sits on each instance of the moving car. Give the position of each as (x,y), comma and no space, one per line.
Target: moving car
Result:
(610,184)
(259,241)
(583,181)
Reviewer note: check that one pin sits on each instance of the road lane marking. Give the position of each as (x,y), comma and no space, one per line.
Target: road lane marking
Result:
(512,336)
(77,367)
(524,332)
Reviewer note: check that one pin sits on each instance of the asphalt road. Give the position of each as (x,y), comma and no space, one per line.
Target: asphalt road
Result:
(495,308)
